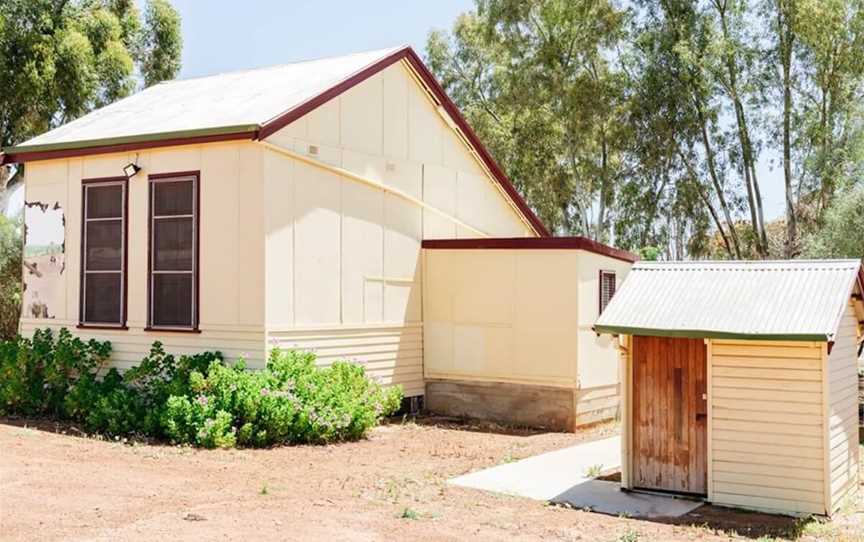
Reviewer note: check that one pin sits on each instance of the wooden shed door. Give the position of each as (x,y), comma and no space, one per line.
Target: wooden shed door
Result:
(670,415)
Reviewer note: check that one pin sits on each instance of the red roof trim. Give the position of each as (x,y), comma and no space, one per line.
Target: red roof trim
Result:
(466,129)
(414,60)
(274,125)
(531,243)
(122,147)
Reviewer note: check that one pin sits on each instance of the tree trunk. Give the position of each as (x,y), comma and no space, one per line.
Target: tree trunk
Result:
(715,180)
(786,38)
(600,229)
(754,196)
(711,210)
(4,192)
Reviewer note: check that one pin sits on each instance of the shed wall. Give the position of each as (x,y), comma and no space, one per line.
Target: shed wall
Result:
(766,436)
(842,411)
(344,271)
(231,251)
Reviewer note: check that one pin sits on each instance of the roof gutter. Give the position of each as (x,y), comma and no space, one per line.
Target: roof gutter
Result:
(709,334)
(32,153)
(531,243)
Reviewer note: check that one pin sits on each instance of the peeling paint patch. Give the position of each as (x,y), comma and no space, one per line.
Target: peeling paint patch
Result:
(44,259)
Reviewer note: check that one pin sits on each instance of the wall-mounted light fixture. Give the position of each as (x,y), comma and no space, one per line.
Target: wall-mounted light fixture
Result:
(131,170)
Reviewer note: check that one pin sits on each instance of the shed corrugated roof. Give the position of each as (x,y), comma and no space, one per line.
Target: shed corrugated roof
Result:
(229,102)
(770,300)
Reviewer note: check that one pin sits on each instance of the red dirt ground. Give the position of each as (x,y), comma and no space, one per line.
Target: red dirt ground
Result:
(59,487)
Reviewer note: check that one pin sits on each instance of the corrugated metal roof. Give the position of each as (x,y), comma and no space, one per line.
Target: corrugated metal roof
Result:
(781,300)
(230,102)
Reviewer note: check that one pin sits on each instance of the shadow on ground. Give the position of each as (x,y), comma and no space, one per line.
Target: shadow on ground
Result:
(741,522)
(474,426)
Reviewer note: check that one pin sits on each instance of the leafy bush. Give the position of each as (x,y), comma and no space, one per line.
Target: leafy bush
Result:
(196,400)
(37,373)
(291,401)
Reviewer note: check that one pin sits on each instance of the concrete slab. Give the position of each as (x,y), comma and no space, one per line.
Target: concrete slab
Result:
(562,477)
(607,498)
(548,475)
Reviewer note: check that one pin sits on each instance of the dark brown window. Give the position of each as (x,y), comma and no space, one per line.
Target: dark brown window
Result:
(173,288)
(103,254)
(607,288)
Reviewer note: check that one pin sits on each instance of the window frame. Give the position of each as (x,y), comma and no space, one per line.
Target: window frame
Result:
(152,180)
(604,273)
(124,261)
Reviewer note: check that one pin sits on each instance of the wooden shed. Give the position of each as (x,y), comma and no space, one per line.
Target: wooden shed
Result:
(740,381)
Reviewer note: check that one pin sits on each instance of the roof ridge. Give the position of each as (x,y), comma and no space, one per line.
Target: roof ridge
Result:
(277,66)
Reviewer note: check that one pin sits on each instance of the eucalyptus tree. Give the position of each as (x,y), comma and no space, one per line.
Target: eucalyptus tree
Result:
(538,80)
(59,59)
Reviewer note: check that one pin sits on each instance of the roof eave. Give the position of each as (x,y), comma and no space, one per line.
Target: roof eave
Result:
(49,151)
(530,243)
(710,334)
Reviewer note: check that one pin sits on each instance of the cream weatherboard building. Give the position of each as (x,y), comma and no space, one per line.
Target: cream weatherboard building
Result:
(289,206)
(740,381)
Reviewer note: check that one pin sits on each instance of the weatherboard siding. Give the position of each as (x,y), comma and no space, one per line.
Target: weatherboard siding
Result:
(392,354)
(767,436)
(842,412)
(130,346)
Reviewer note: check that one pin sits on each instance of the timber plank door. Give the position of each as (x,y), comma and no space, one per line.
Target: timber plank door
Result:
(670,422)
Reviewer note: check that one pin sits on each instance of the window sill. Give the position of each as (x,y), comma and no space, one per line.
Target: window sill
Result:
(172,329)
(102,326)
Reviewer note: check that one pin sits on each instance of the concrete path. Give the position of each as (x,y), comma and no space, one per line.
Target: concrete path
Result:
(548,475)
(562,477)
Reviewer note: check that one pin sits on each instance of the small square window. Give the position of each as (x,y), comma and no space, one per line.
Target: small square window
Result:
(607,288)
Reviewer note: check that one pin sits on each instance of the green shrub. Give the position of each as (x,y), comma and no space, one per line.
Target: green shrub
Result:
(37,373)
(197,399)
(291,401)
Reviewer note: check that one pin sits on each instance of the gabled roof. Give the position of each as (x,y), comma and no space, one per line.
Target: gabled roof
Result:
(249,104)
(769,300)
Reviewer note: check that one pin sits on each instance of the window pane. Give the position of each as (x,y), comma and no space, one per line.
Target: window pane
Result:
(172,300)
(172,198)
(102,298)
(104,251)
(172,242)
(105,201)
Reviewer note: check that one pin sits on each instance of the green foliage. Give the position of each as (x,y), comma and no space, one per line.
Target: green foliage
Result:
(841,236)
(649,253)
(37,373)
(11,245)
(163,43)
(291,401)
(59,60)
(197,399)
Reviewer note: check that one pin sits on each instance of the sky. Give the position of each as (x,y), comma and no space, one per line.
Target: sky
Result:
(221,36)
